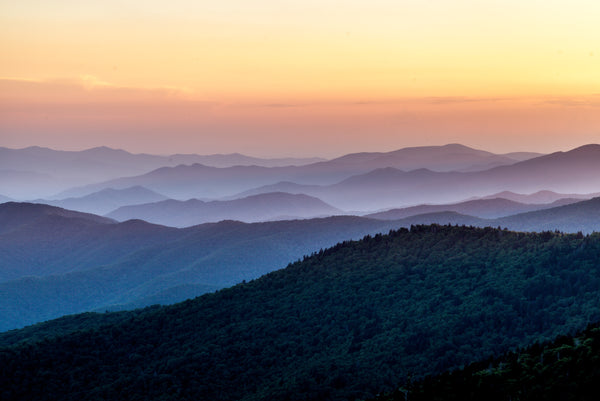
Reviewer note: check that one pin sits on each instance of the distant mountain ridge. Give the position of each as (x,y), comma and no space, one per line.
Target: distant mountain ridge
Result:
(539,197)
(579,216)
(263,207)
(384,188)
(200,181)
(107,200)
(451,157)
(14,216)
(489,208)
(65,169)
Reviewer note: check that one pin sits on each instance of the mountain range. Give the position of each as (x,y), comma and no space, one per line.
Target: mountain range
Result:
(355,182)
(384,188)
(581,216)
(488,208)
(539,197)
(106,200)
(442,289)
(263,207)
(57,262)
(349,322)
(200,181)
(41,172)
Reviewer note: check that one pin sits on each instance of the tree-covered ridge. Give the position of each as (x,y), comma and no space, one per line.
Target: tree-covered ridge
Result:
(345,323)
(565,369)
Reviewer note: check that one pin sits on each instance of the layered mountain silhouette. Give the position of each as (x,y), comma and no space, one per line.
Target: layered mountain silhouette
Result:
(340,323)
(40,172)
(264,207)
(485,208)
(201,181)
(582,216)
(57,262)
(107,200)
(452,157)
(539,196)
(574,171)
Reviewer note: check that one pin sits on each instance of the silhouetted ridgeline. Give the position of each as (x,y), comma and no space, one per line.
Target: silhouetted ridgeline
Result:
(345,323)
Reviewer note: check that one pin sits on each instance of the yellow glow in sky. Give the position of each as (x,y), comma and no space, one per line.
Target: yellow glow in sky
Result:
(240,49)
(238,52)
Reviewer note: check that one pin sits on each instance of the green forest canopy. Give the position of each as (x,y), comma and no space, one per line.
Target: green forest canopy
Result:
(345,323)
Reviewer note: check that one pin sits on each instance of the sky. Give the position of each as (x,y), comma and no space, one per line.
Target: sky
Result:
(299,78)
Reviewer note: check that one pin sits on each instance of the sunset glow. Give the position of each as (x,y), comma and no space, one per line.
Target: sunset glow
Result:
(298,78)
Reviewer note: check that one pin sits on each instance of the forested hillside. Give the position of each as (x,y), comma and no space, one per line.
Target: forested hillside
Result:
(565,369)
(345,323)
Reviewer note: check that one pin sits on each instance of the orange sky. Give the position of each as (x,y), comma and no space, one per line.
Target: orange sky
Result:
(299,78)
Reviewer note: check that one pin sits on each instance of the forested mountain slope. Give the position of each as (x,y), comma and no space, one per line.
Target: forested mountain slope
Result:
(346,323)
(566,369)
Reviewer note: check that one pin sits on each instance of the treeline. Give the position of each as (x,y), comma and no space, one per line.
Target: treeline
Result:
(565,369)
(345,323)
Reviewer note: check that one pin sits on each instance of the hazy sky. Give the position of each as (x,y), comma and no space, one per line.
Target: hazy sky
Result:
(311,77)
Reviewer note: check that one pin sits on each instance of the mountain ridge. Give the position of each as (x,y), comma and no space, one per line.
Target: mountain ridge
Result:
(77,267)
(204,182)
(390,187)
(106,200)
(489,208)
(255,208)
(347,322)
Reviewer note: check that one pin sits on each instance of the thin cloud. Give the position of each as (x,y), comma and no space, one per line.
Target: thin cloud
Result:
(85,86)
(583,101)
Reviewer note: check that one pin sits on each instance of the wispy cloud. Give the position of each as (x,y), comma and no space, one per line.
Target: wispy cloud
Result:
(86,86)
(592,100)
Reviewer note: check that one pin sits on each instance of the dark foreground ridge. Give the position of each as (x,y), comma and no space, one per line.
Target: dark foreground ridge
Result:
(565,369)
(348,322)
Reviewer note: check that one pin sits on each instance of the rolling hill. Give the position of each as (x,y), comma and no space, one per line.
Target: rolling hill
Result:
(107,200)
(20,216)
(346,323)
(58,265)
(263,207)
(539,196)
(582,216)
(484,208)
(37,239)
